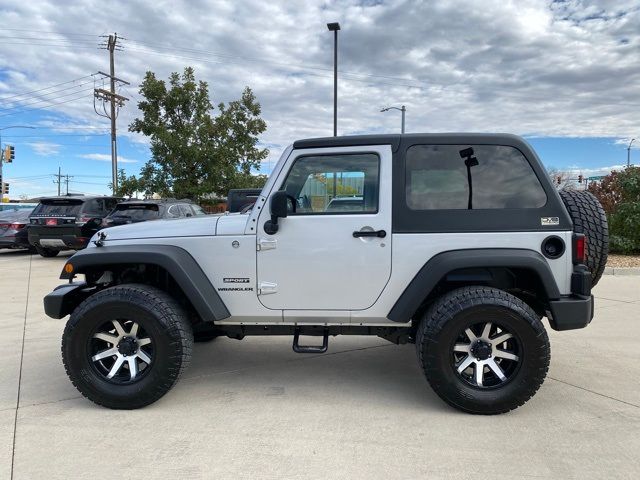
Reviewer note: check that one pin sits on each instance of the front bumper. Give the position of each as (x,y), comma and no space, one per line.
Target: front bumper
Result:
(64,299)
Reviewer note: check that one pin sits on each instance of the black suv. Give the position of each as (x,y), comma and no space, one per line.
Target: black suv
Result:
(62,223)
(134,211)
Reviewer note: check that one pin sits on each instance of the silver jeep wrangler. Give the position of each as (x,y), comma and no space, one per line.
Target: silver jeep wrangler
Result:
(458,243)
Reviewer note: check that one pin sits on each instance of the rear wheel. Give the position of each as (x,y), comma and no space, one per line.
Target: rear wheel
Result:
(590,219)
(47,252)
(126,346)
(483,350)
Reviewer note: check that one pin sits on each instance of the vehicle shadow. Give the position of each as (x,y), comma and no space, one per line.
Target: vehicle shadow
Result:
(356,369)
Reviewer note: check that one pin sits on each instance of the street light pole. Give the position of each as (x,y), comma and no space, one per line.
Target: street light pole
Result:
(629,152)
(2,156)
(334,27)
(403,109)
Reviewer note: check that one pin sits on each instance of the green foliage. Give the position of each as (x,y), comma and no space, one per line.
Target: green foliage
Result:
(192,153)
(619,194)
(127,186)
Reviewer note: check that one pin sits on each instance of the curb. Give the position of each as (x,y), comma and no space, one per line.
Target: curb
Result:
(622,271)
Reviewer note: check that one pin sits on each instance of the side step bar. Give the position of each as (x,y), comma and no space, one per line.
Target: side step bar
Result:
(308,349)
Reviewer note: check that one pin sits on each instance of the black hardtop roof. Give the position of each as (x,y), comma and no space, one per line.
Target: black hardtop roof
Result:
(414,138)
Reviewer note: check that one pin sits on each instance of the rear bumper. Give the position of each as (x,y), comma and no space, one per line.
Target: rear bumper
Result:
(571,312)
(49,238)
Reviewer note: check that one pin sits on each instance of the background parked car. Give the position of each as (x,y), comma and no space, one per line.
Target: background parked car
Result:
(14,207)
(13,231)
(134,211)
(62,223)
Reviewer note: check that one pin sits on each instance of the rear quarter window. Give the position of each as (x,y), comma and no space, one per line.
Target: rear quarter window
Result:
(437,178)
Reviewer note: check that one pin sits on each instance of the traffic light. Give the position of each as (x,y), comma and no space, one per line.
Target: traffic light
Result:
(5,188)
(580,178)
(559,179)
(9,153)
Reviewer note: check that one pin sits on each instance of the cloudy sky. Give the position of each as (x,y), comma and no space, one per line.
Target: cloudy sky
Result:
(565,74)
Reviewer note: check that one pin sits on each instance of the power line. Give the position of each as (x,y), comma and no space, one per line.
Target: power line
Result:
(43,96)
(45,100)
(48,31)
(44,107)
(46,88)
(59,135)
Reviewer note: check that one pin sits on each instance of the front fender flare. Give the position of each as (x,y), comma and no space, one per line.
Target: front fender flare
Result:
(443,263)
(177,261)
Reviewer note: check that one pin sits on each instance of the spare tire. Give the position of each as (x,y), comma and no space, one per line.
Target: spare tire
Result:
(589,218)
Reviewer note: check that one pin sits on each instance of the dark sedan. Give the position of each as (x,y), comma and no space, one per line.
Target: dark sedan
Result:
(13,229)
(134,211)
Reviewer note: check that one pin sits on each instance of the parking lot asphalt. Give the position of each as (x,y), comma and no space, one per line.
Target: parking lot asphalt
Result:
(254,409)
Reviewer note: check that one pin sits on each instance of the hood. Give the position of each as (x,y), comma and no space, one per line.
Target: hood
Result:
(179,227)
(232,224)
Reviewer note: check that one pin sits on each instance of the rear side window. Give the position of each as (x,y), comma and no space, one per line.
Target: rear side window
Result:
(438,177)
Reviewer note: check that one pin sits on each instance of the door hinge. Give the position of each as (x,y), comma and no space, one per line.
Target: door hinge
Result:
(267,288)
(266,244)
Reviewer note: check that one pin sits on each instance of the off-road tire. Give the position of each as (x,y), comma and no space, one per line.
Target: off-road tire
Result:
(449,315)
(162,318)
(47,252)
(589,218)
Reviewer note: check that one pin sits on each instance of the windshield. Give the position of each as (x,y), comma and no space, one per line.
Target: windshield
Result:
(140,212)
(58,208)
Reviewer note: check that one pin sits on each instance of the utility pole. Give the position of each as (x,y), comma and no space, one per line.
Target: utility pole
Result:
(115,102)
(59,180)
(629,152)
(66,181)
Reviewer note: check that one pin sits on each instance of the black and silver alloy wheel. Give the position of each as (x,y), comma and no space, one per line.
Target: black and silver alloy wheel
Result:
(486,355)
(483,350)
(121,351)
(126,346)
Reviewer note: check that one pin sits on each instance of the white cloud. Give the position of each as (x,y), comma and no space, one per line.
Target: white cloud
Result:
(103,157)
(45,148)
(542,68)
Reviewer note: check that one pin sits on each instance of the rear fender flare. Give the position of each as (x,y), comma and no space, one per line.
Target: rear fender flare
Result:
(443,263)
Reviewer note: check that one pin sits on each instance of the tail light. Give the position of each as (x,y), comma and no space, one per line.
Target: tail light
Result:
(82,220)
(16,226)
(579,248)
(4,225)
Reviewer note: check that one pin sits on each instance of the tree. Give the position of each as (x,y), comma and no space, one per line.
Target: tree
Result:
(127,186)
(192,153)
(619,193)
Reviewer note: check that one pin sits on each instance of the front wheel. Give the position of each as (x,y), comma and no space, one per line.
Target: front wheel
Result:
(483,350)
(126,346)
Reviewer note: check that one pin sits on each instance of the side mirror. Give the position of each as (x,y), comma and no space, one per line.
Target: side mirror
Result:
(279,209)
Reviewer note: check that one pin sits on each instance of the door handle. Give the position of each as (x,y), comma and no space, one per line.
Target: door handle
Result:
(376,233)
